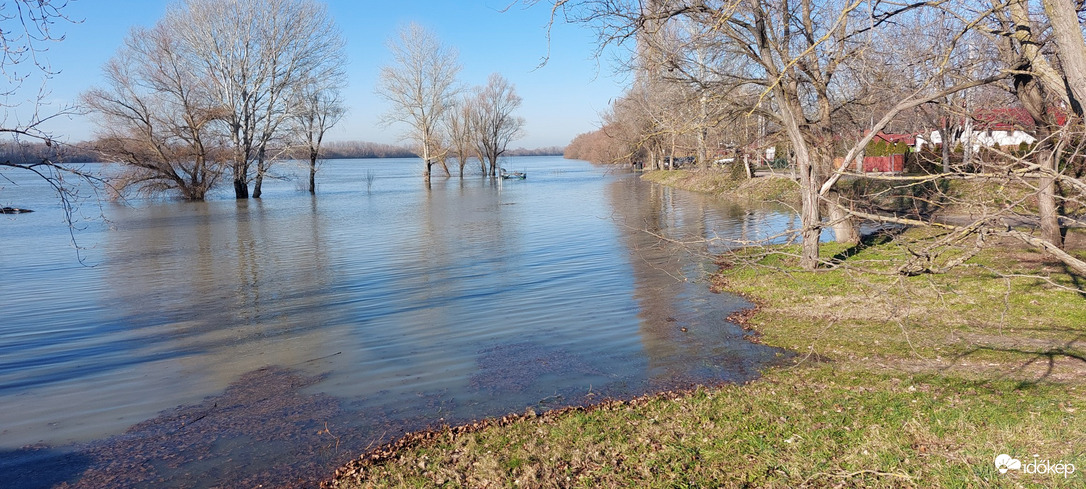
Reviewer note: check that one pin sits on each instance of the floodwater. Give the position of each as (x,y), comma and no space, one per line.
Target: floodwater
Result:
(268,341)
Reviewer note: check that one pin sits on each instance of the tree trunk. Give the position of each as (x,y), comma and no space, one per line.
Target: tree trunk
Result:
(258,183)
(967,141)
(810,221)
(944,137)
(1029,57)
(313,172)
(241,187)
(809,215)
(703,132)
(426,162)
(1034,95)
(671,157)
(1071,47)
(844,227)
(1049,212)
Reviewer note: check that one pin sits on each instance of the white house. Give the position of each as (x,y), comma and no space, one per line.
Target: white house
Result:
(985,138)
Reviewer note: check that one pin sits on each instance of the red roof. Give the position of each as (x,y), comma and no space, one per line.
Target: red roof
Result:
(1012,118)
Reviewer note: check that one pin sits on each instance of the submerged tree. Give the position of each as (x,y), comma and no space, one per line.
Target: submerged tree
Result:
(494,123)
(256,53)
(458,126)
(159,118)
(232,69)
(317,107)
(421,86)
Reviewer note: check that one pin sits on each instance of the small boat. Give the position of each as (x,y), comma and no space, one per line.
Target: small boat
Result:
(515,175)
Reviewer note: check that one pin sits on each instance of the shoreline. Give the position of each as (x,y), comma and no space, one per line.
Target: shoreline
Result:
(903,398)
(386,452)
(415,439)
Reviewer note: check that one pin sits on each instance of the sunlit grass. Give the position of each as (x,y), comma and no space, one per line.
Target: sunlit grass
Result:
(817,426)
(723,183)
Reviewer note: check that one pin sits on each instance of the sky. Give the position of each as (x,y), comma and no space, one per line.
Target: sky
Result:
(561,99)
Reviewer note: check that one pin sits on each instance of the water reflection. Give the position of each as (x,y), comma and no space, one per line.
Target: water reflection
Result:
(671,237)
(226,286)
(410,305)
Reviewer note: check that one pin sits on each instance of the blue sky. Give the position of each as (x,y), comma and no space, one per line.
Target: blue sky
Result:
(561,99)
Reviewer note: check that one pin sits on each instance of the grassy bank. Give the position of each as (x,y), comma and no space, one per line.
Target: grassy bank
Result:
(762,189)
(965,198)
(898,382)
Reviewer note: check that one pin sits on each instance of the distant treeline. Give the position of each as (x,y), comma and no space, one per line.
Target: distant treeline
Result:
(362,149)
(25,152)
(548,151)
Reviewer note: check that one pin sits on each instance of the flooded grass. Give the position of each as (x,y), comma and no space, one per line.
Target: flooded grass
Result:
(900,382)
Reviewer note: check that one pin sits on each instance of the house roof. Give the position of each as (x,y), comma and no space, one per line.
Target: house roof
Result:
(1012,118)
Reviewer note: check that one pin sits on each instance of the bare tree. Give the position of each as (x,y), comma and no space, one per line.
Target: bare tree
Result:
(256,53)
(26,30)
(317,107)
(1067,32)
(421,85)
(458,126)
(1039,88)
(495,123)
(158,117)
(801,58)
(27,27)
(1022,187)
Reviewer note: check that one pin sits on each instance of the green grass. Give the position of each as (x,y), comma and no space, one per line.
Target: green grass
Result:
(817,426)
(898,381)
(1007,299)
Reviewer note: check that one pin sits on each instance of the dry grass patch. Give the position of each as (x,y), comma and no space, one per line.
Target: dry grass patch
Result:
(770,189)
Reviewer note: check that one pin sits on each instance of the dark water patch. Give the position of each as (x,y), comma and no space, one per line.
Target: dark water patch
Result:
(516,367)
(267,429)
(263,431)
(40,467)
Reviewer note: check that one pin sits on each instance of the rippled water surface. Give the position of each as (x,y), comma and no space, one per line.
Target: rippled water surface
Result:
(377,306)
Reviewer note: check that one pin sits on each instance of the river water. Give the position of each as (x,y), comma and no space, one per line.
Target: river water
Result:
(268,341)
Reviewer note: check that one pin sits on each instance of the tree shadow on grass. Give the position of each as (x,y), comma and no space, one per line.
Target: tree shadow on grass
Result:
(880,237)
(1076,280)
(1047,358)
